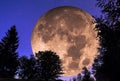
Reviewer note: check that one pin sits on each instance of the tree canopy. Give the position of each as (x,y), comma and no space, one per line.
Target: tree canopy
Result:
(109,36)
(51,66)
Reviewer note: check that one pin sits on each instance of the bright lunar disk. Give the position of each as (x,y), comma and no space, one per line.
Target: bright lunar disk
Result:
(68,31)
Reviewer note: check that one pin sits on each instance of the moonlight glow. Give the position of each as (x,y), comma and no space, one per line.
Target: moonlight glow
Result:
(69,32)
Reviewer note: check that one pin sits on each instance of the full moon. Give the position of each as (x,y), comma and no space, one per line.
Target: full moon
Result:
(69,32)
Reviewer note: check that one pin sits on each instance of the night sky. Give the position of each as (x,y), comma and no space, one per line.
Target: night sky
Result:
(25,13)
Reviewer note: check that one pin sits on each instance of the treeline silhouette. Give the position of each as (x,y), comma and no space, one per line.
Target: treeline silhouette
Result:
(47,66)
(107,64)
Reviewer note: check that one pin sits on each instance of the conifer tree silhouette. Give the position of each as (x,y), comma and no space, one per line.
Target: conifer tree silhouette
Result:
(8,53)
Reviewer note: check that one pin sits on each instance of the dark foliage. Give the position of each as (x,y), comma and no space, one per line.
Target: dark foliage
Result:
(109,35)
(74,79)
(50,65)
(58,80)
(79,77)
(87,75)
(29,68)
(111,12)
(8,54)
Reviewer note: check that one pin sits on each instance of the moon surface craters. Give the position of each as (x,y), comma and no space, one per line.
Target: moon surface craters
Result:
(74,65)
(68,31)
(45,33)
(60,24)
(74,51)
(86,61)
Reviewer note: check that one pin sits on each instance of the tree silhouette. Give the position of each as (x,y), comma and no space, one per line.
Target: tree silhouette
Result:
(8,54)
(104,35)
(87,75)
(73,79)
(109,35)
(58,80)
(29,68)
(50,65)
(79,76)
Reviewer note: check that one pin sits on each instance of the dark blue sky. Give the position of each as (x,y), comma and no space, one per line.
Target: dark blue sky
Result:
(25,13)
